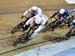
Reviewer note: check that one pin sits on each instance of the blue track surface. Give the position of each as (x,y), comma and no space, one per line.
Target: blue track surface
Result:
(65,48)
(69,52)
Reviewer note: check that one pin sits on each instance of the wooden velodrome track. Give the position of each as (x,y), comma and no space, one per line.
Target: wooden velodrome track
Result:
(9,20)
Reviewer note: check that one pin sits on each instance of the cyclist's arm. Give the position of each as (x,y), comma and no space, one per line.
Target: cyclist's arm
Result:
(25,13)
(54,14)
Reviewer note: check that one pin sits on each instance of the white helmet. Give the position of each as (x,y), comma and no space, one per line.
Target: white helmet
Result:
(34,8)
(62,11)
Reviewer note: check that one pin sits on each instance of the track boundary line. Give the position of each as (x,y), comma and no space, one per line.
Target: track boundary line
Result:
(29,45)
(11,12)
(23,47)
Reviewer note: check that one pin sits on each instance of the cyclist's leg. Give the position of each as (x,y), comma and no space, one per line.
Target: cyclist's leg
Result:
(36,31)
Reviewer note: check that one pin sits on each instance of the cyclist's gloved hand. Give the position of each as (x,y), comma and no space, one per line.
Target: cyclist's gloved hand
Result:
(23,17)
